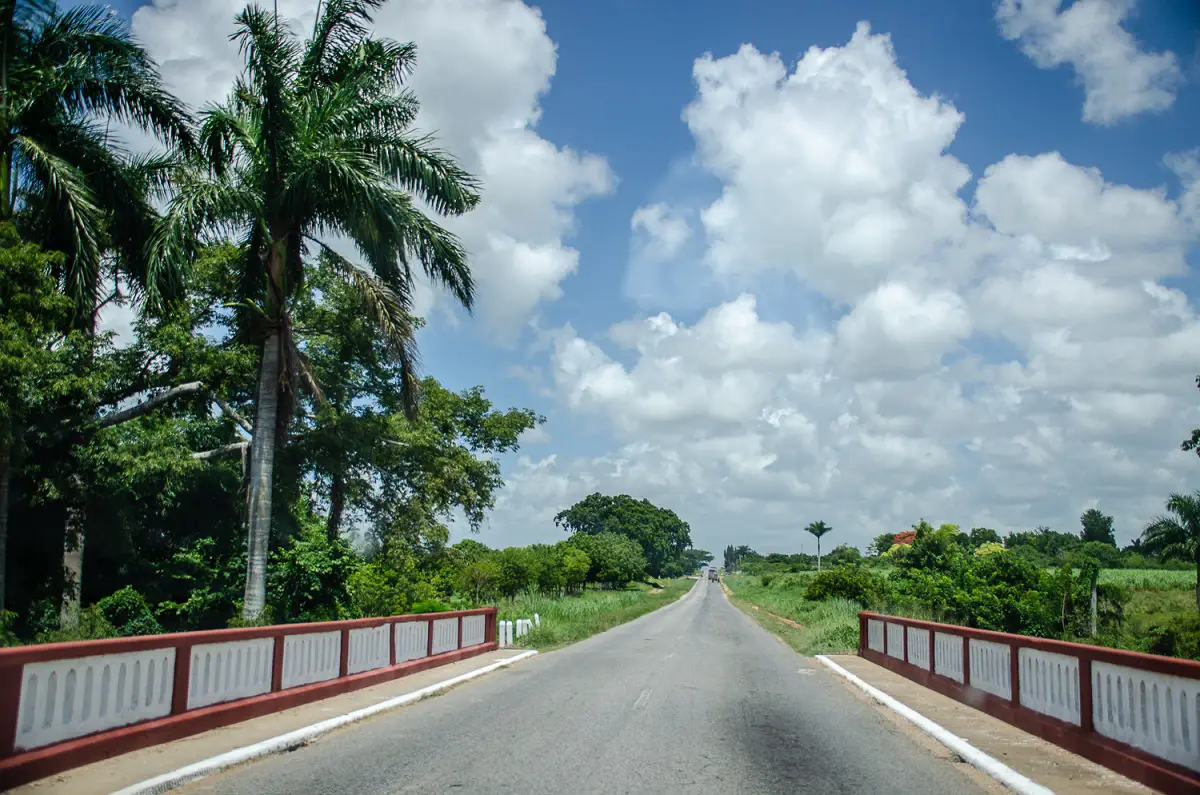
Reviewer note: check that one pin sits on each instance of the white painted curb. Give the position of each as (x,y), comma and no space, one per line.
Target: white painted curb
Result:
(299,737)
(972,755)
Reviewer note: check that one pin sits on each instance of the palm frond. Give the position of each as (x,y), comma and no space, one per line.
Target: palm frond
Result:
(222,132)
(66,190)
(389,308)
(378,64)
(430,173)
(271,55)
(86,61)
(441,255)
(341,25)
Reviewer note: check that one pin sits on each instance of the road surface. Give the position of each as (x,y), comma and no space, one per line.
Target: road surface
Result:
(692,698)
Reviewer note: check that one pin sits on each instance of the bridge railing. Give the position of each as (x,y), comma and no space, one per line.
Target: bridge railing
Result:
(67,704)
(1138,714)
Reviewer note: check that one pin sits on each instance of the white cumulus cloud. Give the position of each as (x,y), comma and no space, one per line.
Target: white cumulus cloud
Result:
(1005,358)
(482,68)
(1120,79)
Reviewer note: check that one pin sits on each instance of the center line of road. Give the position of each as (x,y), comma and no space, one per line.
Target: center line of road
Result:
(641,699)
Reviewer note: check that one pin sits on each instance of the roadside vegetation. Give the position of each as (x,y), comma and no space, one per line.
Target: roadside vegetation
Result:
(1042,583)
(828,626)
(260,447)
(566,621)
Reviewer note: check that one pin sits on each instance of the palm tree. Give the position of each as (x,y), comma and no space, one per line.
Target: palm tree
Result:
(818,529)
(315,140)
(1177,534)
(64,76)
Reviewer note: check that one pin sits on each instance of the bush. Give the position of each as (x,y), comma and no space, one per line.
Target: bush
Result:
(766,580)
(128,613)
(430,606)
(845,582)
(374,591)
(8,619)
(92,626)
(308,578)
(989,548)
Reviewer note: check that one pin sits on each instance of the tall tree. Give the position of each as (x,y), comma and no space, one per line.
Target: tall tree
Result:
(818,529)
(316,140)
(1177,533)
(64,76)
(662,535)
(1097,527)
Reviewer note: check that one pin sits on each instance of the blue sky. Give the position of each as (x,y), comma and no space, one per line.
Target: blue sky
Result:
(618,89)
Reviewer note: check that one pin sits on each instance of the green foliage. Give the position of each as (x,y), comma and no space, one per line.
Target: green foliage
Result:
(430,606)
(663,538)
(92,626)
(126,610)
(852,583)
(574,618)
(881,544)
(819,627)
(984,535)
(843,555)
(1097,528)
(375,590)
(309,578)
(614,560)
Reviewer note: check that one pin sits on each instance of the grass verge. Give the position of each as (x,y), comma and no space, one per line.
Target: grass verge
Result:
(829,627)
(573,618)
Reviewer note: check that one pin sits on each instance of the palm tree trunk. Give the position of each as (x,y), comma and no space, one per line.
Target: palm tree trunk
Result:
(73,537)
(818,553)
(262,473)
(5,462)
(337,506)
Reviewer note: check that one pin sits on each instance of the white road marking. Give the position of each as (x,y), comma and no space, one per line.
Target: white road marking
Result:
(299,737)
(642,699)
(989,765)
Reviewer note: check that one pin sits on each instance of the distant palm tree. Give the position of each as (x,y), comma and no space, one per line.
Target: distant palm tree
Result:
(818,529)
(1177,535)
(315,140)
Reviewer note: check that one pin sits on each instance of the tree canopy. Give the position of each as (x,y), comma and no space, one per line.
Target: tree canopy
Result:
(661,535)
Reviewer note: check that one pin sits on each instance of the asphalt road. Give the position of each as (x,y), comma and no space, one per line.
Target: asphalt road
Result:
(692,698)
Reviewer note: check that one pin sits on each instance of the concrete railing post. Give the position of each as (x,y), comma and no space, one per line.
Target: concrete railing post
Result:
(183,675)
(1014,672)
(1086,713)
(966,661)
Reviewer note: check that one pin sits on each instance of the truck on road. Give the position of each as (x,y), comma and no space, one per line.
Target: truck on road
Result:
(712,575)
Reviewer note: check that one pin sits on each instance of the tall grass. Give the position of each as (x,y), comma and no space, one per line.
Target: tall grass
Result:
(573,618)
(827,627)
(1150,579)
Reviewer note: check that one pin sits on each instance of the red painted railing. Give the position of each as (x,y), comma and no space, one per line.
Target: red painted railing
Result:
(68,704)
(1138,714)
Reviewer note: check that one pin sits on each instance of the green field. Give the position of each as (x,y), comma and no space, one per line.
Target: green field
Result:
(573,618)
(1158,600)
(1150,579)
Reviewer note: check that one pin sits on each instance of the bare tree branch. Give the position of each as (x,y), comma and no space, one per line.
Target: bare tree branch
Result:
(228,450)
(148,405)
(228,409)
(183,390)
